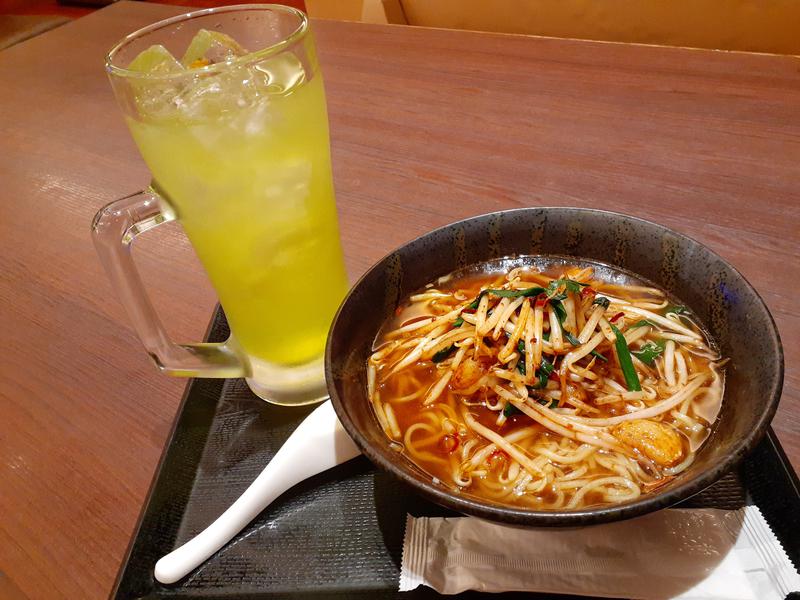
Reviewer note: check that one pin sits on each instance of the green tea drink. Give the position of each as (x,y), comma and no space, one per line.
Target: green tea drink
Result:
(242,157)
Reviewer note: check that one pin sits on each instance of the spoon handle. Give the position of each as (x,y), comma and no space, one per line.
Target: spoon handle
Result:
(318,444)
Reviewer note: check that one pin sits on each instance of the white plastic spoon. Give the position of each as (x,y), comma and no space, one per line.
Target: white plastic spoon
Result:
(318,444)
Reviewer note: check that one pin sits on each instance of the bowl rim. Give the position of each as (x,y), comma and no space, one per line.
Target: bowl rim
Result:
(560,518)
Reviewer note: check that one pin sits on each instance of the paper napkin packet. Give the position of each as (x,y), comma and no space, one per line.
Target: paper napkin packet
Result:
(703,554)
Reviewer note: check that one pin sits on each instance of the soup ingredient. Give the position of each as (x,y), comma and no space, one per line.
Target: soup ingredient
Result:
(625,361)
(442,354)
(650,351)
(468,373)
(543,374)
(527,293)
(517,387)
(641,323)
(657,441)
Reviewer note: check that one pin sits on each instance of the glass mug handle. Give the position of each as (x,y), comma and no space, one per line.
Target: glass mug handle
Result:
(114,228)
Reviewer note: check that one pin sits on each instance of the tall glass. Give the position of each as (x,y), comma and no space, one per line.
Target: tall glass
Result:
(236,140)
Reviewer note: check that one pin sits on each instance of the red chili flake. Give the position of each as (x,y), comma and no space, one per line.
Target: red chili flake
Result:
(554,376)
(449,443)
(587,291)
(541,300)
(616,316)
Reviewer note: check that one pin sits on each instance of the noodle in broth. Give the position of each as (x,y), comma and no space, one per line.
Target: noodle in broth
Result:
(545,389)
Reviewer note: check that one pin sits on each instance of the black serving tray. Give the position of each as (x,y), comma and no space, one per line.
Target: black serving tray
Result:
(340,533)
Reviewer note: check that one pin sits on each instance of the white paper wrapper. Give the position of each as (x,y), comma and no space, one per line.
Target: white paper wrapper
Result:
(688,554)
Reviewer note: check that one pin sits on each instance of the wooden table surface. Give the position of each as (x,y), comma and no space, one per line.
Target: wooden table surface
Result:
(428,126)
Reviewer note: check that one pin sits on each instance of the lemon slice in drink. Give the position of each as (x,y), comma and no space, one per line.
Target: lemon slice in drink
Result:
(156,59)
(209,47)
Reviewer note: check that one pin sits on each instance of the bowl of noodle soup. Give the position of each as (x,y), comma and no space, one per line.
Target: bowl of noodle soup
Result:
(554,366)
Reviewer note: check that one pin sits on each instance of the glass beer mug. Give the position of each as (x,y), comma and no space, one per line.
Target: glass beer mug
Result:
(227,108)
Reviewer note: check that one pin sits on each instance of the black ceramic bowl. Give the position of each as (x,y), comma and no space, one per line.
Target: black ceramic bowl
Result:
(726,303)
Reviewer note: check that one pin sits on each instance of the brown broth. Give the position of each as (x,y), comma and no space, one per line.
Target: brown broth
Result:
(441,450)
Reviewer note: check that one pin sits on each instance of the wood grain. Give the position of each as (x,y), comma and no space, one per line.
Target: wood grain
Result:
(428,126)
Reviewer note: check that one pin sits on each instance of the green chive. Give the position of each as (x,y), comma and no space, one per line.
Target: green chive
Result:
(442,354)
(625,362)
(526,293)
(650,351)
(568,284)
(521,361)
(642,323)
(543,373)
(602,301)
(598,355)
(561,312)
(474,304)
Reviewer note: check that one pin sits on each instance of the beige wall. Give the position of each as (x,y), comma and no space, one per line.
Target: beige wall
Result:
(367,11)
(751,25)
